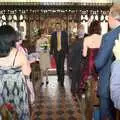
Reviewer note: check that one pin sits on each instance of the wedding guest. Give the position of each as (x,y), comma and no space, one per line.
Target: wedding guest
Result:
(76,59)
(13,67)
(103,63)
(90,48)
(43,50)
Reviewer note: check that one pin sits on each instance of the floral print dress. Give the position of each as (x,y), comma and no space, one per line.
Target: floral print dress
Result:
(13,90)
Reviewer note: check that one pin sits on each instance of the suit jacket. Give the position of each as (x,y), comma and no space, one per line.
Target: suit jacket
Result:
(104,60)
(64,42)
(76,54)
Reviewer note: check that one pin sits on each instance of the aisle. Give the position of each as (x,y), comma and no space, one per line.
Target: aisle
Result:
(54,102)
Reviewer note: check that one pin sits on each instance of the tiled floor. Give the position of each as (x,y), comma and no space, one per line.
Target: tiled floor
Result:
(54,102)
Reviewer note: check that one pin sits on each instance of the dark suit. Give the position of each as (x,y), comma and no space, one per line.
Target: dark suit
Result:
(76,56)
(103,65)
(59,55)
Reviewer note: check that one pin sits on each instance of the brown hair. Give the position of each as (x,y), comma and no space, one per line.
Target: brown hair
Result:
(94,27)
(41,31)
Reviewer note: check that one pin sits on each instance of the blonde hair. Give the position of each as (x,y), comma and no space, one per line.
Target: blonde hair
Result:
(115,11)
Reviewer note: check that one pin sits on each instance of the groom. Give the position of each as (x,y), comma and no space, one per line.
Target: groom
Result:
(59,48)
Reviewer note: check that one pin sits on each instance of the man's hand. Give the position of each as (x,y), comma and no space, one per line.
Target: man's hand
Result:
(116,49)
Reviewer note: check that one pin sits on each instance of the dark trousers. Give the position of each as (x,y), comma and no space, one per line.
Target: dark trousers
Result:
(107,111)
(75,79)
(60,59)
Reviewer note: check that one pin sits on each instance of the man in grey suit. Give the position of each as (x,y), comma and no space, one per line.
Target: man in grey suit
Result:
(103,62)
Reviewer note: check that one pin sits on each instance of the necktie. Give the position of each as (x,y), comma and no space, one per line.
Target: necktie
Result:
(58,41)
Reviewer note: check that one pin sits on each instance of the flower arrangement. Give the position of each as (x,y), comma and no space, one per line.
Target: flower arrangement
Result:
(44,46)
(7,112)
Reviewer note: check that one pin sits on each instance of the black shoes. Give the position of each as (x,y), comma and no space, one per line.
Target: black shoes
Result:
(58,80)
(61,81)
(47,82)
(42,83)
(62,84)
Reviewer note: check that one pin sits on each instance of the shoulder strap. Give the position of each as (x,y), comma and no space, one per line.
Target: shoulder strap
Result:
(15,57)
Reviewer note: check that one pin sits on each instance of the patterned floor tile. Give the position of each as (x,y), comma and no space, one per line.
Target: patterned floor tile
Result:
(54,102)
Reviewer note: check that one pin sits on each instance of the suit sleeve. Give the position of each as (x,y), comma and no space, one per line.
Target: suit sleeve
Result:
(85,48)
(104,52)
(66,44)
(51,43)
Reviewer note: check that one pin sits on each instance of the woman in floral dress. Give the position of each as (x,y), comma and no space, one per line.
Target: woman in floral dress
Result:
(13,67)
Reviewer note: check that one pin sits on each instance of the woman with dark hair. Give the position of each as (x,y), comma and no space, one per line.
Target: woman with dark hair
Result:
(94,38)
(13,66)
(91,46)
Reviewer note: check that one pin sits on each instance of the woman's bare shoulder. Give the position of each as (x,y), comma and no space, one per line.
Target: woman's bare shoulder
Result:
(20,57)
